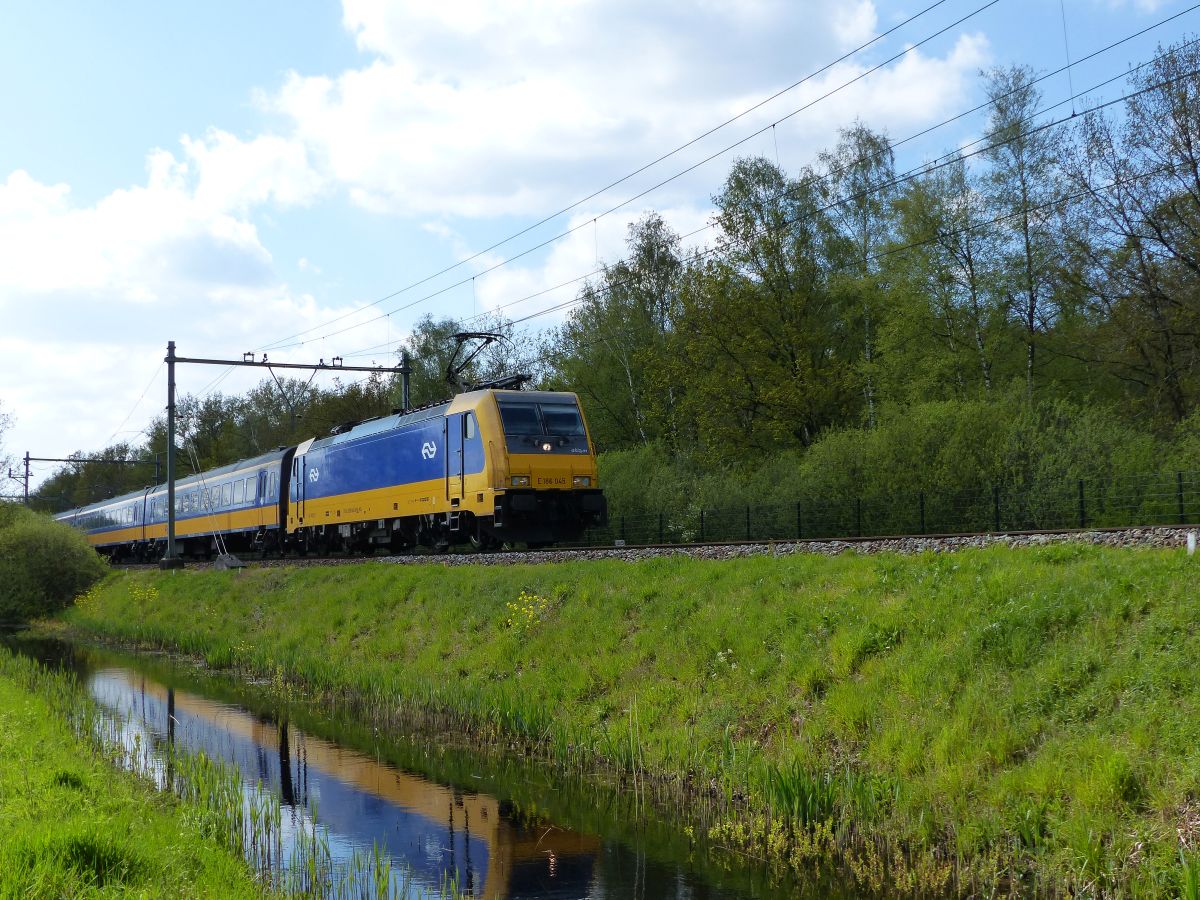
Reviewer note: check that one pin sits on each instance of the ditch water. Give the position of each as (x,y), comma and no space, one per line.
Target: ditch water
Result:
(494,827)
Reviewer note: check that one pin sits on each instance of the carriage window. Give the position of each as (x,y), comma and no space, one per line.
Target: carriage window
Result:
(238,492)
(272,483)
(226,495)
(251,484)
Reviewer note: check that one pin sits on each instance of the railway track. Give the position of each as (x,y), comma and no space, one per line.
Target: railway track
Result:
(1139,536)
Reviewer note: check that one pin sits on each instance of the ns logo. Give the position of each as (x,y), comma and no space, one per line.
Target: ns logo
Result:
(428,450)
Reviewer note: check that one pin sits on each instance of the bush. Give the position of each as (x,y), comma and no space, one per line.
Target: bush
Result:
(43,565)
(954,452)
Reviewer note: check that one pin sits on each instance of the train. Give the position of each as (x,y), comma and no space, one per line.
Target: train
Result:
(487,468)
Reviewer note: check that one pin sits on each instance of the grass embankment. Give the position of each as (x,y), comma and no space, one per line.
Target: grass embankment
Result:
(999,713)
(72,826)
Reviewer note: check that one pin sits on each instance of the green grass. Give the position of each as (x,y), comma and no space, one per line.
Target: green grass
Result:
(73,826)
(1018,713)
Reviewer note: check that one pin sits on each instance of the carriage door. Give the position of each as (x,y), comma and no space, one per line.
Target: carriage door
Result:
(260,498)
(453,443)
(300,480)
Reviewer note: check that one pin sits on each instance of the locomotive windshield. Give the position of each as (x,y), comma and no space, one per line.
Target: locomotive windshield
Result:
(520,418)
(558,419)
(561,418)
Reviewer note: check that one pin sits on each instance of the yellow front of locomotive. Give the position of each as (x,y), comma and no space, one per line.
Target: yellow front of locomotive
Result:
(543,467)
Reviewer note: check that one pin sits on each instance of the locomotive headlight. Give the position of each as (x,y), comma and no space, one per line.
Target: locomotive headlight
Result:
(582,481)
(547,446)
(520,481)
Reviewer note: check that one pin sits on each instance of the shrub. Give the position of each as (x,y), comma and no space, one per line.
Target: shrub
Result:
(43,565)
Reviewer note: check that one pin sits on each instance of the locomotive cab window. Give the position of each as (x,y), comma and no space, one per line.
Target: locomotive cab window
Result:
(525,420)
(520,418)
(469,425)
(563,419)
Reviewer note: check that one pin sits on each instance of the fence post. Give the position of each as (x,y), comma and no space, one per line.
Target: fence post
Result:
(1179,491)
(702,525)
(799,522)
(1082,507)
(747,521)
(660,528)
(996,504)
(858,516)
(922,499)
(622,527)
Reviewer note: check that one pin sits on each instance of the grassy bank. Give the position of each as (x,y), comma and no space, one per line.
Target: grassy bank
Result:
(75,827)
(995,713)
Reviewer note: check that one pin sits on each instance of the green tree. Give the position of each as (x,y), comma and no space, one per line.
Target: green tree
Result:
(762,344)
(431,346)
(947,334)
(858,189)
(5,424)
(1022,185)
(1141,251)
(612,348)
(90,477)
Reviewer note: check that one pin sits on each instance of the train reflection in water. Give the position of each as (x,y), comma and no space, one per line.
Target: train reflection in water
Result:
(431,831)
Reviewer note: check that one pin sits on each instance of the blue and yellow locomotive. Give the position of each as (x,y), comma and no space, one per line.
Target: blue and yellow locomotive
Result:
(488,467)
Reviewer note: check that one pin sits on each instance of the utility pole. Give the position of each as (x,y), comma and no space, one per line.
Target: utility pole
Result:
(24,479)
(172,560)
(405,372)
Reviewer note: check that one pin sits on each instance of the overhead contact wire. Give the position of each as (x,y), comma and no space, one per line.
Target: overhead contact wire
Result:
(825,68)
(507,261)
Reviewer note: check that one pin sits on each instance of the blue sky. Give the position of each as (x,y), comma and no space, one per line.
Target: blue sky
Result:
(226,175)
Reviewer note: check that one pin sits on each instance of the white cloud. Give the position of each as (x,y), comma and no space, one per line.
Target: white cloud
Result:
(519,290)
(232,174)
(1145,6)
(854,23)
(488,109)
(98,290)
